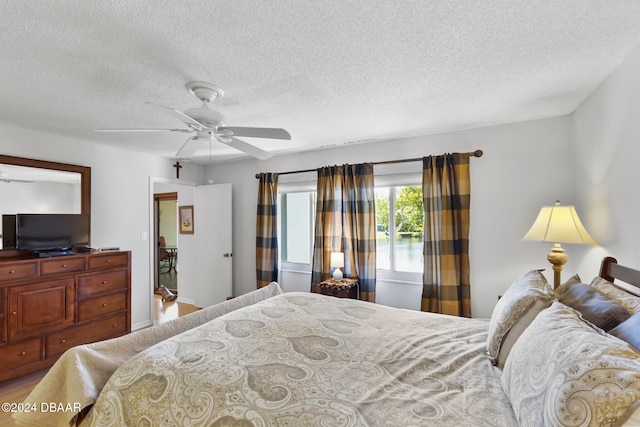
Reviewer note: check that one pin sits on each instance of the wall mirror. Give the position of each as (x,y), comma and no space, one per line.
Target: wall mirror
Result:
(38,186)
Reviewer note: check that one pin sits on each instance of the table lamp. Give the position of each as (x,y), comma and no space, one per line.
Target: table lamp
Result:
(337,261)
(558,224)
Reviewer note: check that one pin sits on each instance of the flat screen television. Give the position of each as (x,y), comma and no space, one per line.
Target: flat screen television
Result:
(41,232)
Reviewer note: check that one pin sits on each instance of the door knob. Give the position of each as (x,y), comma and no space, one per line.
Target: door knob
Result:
(227,255)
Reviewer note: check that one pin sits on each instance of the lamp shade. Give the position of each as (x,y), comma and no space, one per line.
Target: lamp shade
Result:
(337,259)
(558,224)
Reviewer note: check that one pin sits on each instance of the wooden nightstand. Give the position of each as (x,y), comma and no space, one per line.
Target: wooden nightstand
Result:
(346,288)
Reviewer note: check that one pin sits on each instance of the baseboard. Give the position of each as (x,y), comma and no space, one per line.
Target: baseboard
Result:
(186,300)
(141,325)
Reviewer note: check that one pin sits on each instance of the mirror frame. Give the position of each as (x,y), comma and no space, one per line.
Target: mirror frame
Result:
(84,171)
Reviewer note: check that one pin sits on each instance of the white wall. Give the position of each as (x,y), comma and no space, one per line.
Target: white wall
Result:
(607,152)
(119,196)
(525,166)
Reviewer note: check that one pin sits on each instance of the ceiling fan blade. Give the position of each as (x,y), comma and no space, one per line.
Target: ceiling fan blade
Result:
(145,130)
(272,133)
(245,147)
(181,116)
(190,147)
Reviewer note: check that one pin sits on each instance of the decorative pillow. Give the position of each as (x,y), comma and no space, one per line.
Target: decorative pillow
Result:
(522,323)
(572,280)
(518,328)
(629,301)
(564,372)
(515,302)
(595,307)
(629,331)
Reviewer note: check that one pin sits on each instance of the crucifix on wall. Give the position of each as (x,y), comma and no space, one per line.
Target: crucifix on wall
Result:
(178,166)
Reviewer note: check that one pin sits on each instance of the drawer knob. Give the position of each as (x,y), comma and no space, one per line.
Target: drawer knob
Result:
(64,265)
(115,325)
(104,305)
(104,282)
(24,353)
(108,261)
(63,341)
(12,272)
(14,312)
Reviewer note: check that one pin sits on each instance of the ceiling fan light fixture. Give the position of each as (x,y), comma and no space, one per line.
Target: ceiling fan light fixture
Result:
(224,132)
(204,134)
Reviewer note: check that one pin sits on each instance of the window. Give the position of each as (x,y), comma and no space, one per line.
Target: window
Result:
(297,216)
(399,226)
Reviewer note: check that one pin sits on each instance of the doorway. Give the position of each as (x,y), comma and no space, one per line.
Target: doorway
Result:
(204,258)
(166,242)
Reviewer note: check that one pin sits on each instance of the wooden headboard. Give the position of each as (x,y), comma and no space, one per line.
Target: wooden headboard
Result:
(611,270)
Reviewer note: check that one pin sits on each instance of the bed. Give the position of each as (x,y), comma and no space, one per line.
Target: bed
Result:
(299,359)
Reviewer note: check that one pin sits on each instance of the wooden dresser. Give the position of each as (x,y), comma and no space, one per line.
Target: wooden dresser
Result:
(48,305)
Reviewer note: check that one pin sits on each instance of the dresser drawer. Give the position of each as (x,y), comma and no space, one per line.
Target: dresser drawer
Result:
(19,270)
(62,265)
(21,353)
(92,284)
(111,260)
(39,307)
(58,342)
(101,306)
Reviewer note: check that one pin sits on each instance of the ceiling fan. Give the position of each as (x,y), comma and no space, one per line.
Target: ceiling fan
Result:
(208,124)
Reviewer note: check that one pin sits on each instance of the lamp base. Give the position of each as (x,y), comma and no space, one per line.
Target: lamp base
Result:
(557,257)
(337,274)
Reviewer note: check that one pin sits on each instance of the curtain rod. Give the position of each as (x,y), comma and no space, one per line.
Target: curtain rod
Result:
(477,153)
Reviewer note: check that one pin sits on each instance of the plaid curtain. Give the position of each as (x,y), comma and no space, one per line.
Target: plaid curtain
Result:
(267,230)
(328,227)
(345,222)
(446,198)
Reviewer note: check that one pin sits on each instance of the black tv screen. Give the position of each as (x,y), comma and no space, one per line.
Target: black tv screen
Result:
(51,231)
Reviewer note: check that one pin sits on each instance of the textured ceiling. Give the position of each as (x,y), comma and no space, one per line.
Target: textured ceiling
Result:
(331,72)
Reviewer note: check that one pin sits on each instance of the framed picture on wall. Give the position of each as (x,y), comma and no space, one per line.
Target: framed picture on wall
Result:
(186,219)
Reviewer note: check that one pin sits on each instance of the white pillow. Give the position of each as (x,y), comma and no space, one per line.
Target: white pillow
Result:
(521,296)
(563,372)
(523,322)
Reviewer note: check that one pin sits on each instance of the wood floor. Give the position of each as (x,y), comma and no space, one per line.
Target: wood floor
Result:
(164,311)
(15,391)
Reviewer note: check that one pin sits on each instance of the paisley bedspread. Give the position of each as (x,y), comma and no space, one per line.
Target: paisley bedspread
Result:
(301,359)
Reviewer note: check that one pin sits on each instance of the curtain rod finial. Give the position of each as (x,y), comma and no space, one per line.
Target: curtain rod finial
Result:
(478,153)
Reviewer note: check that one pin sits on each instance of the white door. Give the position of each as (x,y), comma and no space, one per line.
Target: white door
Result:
(212,232)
